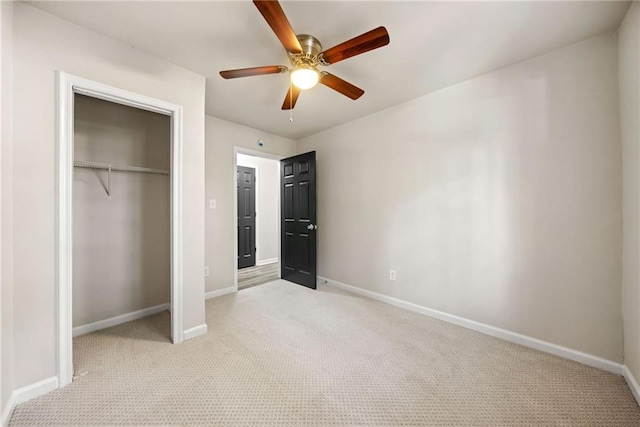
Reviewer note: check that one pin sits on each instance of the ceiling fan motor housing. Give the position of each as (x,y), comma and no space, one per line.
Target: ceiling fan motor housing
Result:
(311,46)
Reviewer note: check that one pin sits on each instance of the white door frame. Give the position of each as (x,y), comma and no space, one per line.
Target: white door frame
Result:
(67,86)
(254,153)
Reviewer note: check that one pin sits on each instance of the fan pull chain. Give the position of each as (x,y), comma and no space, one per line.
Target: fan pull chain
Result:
(290,101)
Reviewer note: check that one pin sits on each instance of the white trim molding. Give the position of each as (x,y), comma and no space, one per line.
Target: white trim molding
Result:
(67,86)
(26,393)
(196,331)
(267,261)
(118,320)
(633,384)
(220,292)
(547,347)
(34,390)
(8,410)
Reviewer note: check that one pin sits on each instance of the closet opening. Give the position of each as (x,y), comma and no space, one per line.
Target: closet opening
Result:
(257,205)
(119,224)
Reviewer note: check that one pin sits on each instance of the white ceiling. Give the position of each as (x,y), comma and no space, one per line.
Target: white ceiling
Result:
(433,45)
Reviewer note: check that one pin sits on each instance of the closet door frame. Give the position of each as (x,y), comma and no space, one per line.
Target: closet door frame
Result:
(67,86)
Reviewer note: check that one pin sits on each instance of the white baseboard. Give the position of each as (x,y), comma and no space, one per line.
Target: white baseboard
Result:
(117,320)
(195,331)
(219,292)
(547,347)
(633,384)
(267,261)
(36,390)
(26,393)
(8,410)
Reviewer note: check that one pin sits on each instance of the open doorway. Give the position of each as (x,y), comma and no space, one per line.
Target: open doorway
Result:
(101,178)
(121,226)
(257,208)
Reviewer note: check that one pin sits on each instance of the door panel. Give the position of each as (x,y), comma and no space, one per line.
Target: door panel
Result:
(288,246)
(287,198)
(298,240)
(304,249)
(303,203)
(287,170)
(246,217)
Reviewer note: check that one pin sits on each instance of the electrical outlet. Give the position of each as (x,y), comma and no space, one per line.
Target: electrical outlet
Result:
(212,204)
(392,275)
(206,271)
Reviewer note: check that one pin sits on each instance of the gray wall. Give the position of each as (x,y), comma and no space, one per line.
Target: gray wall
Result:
(498,199)
(121,253)
(221,137)
(629,69)
(6,208)
(43,44)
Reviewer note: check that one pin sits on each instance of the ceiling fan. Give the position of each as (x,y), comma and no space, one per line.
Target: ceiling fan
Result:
(306,55)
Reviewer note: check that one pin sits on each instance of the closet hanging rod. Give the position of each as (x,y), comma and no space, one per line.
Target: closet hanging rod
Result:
(121,168)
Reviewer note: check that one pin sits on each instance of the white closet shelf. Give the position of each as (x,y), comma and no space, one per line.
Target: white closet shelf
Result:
(121,168)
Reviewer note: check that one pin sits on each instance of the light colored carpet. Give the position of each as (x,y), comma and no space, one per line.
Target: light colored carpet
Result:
(258,275)
(281,354)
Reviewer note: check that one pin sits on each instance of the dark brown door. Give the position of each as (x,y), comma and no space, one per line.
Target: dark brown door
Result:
(298,240)
(246,217)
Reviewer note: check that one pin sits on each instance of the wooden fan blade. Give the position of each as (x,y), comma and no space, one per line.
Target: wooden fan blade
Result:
(255,71)
(277,20)
(363,43)
(292,96)
(342,86)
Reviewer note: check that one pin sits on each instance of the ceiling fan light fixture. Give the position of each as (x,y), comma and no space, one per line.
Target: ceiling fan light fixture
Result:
(306,54)
(305,77)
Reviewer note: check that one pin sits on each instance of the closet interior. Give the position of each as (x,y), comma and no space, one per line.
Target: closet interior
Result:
(121,216)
